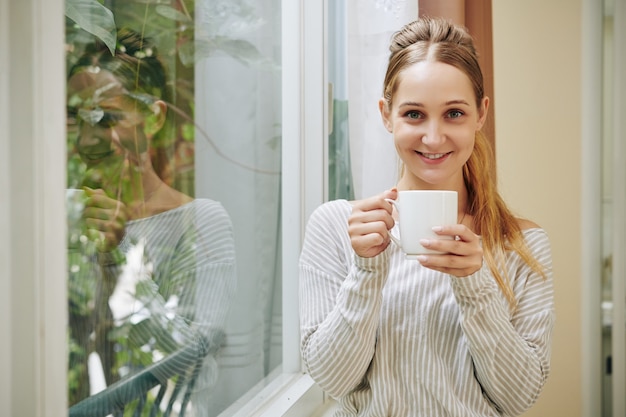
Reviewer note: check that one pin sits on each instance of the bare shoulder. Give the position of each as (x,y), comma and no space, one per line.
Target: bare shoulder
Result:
(525,224)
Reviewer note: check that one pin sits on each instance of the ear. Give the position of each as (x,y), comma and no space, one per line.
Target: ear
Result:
(156,120)
(385,113)
(482,112)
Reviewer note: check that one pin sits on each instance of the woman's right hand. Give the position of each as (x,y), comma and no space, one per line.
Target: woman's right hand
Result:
(370,222)
(105,218)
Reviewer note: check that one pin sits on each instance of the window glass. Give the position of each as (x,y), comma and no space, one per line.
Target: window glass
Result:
(173,197)
(339,167)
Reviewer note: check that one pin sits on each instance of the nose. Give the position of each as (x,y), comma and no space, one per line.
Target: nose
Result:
(93,142)
(87,136)
(433,135)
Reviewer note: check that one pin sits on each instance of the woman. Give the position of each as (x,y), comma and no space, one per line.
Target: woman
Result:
(162,267)
(466,333)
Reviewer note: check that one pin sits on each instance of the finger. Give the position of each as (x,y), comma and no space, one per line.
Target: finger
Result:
(391,193)
(120,216)
(94,192)
(459,266)
(104,201)
(370,239)
(372,216)
(99,198)
(457,231)
(105,226)
(373,204)
(378,202)
(362,229)
(452,246)
(92,212)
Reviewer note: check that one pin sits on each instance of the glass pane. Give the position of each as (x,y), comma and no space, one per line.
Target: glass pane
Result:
(173,196)
(339,171)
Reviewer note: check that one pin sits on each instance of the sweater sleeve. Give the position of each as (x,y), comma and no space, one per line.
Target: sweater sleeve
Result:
(340,301)
(510,351)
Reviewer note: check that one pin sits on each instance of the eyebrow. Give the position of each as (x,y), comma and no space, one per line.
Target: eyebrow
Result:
(447,103)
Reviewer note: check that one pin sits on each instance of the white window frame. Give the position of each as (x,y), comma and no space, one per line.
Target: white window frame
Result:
(32,208)
(591,175)
(33,266)
(618,330)
(591,261)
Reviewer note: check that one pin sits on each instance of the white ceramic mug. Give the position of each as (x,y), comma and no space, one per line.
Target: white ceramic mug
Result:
(419,211)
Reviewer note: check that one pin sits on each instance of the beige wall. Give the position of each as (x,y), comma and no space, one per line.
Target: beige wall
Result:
(537,69)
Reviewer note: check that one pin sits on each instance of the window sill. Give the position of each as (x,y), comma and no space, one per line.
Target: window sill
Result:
(280,395)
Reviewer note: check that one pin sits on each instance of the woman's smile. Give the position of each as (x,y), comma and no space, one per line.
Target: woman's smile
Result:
(433,158)
(434,117)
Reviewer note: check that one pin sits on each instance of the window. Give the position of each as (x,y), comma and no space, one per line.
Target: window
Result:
(173,198)
(35,177)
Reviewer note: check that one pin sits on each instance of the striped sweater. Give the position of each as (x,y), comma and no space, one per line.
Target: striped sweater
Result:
(190,254)
(388,337)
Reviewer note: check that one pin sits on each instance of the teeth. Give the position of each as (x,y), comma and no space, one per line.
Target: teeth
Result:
(433,155)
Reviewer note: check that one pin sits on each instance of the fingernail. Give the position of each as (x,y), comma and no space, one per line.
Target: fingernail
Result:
(425,242)
(422,258)
(437,229)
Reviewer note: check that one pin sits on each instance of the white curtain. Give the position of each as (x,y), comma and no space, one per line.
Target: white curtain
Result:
(370,25)
(238,113)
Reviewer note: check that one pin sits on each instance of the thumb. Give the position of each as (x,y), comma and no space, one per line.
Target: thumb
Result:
(390,196)
(392,193)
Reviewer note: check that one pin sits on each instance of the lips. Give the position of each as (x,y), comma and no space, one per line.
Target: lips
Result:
(433,157)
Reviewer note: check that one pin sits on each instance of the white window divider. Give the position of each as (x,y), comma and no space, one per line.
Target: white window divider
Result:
(618,328)
(32,217)
(591,262)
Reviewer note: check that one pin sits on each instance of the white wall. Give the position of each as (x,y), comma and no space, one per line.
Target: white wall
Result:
(537,66)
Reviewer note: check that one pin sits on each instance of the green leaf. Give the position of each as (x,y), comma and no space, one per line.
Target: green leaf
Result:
(94,18)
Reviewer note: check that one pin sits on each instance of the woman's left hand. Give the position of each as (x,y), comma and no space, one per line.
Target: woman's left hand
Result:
(462,256)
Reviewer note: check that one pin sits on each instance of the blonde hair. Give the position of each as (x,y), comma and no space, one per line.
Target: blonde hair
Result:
(441,41)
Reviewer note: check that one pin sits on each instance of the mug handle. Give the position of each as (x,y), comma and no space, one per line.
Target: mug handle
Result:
(393,238)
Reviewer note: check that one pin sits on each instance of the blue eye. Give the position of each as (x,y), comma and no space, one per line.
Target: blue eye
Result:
(455,114)
(413,114)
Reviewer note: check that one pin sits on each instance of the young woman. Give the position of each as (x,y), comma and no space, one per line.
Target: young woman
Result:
(466,333)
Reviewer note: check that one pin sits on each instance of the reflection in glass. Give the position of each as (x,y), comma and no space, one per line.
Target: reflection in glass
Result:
(152,271)
(173,168)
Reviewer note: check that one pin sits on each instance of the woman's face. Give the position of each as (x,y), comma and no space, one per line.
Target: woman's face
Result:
(109,123)
(434,119)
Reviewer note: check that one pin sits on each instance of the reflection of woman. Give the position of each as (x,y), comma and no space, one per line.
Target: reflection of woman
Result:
(465,333)
(164,266)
